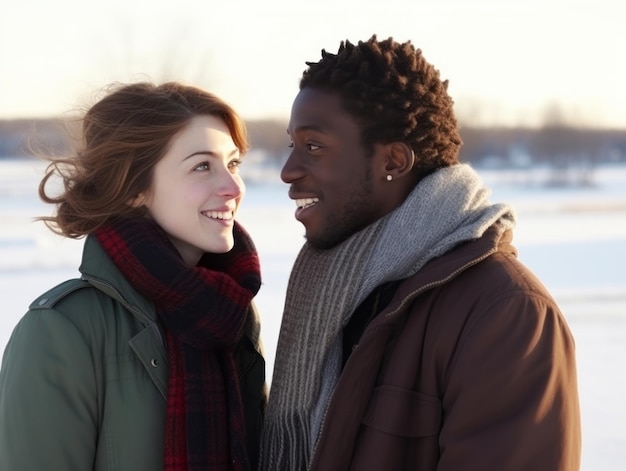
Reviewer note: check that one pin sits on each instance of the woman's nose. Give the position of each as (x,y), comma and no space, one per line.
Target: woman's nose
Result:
(232,185)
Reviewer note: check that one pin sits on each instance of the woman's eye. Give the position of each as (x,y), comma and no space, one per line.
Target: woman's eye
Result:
(235,163)
(204,166)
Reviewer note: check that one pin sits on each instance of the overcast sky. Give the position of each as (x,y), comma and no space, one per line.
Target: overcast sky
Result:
(508,62)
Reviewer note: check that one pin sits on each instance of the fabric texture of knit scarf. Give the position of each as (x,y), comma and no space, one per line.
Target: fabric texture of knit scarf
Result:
(445,209)
(203,311)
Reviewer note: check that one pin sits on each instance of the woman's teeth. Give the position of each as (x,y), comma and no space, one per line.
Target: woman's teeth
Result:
(219,214)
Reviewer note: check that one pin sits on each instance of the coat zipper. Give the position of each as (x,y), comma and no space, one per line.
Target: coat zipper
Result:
(404,302)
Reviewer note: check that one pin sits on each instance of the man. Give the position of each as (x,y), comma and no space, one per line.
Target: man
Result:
(412,337)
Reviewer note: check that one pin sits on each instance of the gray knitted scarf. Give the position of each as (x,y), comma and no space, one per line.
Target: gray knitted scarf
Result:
(446,208)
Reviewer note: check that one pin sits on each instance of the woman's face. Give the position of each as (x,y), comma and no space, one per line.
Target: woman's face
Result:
(196,189)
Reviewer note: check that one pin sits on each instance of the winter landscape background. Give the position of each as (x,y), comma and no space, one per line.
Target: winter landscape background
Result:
(573,237)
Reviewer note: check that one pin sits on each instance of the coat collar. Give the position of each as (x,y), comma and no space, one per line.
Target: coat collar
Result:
(447,267)
(99,270)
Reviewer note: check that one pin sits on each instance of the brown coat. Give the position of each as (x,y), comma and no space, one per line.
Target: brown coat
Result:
(470,367)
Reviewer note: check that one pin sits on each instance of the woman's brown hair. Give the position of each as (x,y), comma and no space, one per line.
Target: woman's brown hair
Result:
(123,136)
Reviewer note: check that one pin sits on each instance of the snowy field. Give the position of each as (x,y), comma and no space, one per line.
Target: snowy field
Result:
(574,238)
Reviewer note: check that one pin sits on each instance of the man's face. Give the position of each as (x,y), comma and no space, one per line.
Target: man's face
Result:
(330,171)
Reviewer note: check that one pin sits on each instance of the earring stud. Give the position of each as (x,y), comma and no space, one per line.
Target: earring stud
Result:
(389,178)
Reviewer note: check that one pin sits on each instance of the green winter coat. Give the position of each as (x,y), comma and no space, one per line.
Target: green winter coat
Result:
(83,382)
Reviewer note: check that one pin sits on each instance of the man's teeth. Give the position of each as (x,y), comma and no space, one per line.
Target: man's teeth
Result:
(219,214)
(306,202)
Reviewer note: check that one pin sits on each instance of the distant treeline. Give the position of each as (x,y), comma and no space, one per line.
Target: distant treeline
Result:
(557,144)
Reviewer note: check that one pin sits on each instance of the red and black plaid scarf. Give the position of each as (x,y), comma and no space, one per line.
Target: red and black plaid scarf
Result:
(203,311)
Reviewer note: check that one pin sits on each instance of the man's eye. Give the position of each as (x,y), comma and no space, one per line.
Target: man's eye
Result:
(313,147)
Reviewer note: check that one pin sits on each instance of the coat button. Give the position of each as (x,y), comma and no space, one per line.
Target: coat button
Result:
(154,362)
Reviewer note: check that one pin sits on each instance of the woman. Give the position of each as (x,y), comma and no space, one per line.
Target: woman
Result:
(151,359)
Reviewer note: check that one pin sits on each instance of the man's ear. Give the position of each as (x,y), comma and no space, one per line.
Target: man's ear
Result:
(400,160)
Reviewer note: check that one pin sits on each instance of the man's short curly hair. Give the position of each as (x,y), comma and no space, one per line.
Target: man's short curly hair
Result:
(394,94)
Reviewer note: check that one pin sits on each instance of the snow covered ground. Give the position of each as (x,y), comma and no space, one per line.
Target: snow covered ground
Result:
(574,239)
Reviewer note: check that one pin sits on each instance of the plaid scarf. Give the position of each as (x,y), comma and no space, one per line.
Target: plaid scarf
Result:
(203,311)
